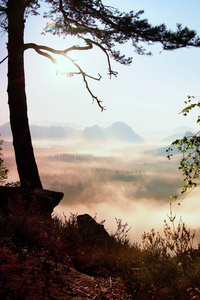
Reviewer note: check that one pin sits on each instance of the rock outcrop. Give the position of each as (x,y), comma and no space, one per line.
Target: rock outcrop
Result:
(91,231)
(37,200)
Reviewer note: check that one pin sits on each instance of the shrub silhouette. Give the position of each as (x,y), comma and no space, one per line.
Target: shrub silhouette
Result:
(160,268)
(3,169)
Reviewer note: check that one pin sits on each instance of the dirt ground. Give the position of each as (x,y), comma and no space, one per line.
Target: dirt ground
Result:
(36,276)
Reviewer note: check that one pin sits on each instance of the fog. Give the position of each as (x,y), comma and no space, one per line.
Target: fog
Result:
(112,180)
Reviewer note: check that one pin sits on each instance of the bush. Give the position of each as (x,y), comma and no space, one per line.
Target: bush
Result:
(161,268)
(3,170)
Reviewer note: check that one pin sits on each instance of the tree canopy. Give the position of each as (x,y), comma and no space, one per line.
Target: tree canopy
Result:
(95,24)
(103,26)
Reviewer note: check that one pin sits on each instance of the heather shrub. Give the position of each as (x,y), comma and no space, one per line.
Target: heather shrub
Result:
(3,169)
(162,267)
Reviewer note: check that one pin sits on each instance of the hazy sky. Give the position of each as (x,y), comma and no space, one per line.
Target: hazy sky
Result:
(147,96)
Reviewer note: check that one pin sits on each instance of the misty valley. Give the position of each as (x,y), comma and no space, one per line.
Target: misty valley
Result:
(109,173)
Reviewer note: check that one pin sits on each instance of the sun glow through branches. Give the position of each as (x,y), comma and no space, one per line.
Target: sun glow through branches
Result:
(64,65)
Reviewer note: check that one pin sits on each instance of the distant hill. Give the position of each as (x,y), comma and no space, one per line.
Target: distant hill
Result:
(39,132)
(5,130)
(180,129)
(93,133)
(162,151)
(121,131)
(42,132)
(173,137)
(117,131)
(62,124)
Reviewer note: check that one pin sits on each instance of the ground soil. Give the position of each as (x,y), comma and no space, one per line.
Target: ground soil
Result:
(35,275)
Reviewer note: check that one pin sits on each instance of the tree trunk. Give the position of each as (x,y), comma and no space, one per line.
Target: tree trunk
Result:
(26,165)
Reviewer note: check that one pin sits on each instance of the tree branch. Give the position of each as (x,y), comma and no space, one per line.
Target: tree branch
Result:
(46,55)
(84,76)
(27,2)
(3,59)
(59,52)
(3,8)
(68,20)
(60,6)
(111,72)
(90,92)
(39,49)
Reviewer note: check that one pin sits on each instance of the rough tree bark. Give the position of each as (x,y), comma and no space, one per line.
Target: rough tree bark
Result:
(25,160)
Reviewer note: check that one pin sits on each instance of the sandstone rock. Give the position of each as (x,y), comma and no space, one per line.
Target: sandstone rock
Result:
(92,231)
(38,200)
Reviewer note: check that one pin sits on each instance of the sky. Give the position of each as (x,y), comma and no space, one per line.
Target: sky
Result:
(148,95)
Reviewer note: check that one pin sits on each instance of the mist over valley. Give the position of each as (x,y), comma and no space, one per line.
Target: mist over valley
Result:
(111,177)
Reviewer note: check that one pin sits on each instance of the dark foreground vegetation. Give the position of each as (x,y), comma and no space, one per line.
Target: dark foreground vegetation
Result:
(55,258)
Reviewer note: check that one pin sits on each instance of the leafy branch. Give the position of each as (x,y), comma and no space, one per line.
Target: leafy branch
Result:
(189,147)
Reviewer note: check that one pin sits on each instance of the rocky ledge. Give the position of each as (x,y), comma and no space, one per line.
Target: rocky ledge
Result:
(38,200)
